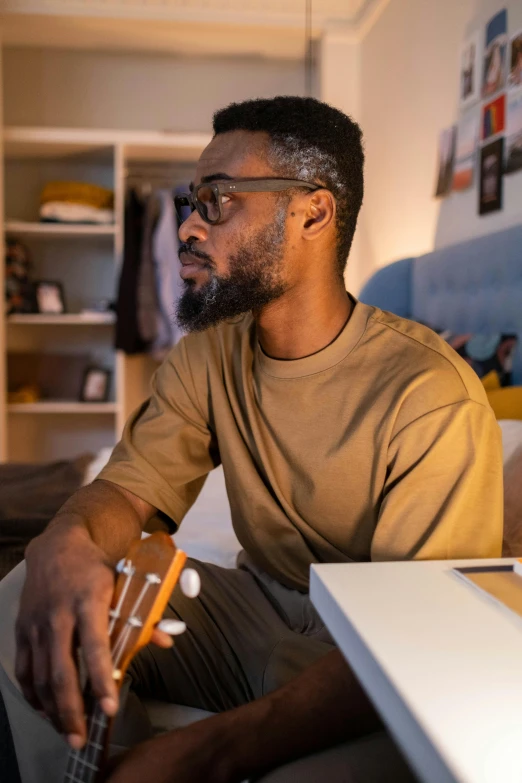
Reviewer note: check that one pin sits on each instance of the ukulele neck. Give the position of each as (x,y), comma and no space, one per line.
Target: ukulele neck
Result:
(147,577)
(83,765)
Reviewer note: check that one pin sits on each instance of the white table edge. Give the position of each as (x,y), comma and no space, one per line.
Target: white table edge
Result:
(416,745)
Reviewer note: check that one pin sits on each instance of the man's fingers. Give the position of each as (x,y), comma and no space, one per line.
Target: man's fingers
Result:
(94,640)
(64,678)
(161,638)
(24,670)
(41,679)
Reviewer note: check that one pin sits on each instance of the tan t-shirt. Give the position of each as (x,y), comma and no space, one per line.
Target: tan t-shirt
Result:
(382,446)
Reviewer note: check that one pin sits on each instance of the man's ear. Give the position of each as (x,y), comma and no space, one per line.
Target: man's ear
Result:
(319,213)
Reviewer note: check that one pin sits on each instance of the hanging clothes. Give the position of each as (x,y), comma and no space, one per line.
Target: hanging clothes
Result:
(150,283)
(147,296)
(169,285)
(128,337)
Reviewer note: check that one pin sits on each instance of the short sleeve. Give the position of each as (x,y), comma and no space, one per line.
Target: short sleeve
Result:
(167,447)
(443,496)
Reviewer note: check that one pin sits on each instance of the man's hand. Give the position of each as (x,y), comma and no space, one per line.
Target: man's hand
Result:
(65,602)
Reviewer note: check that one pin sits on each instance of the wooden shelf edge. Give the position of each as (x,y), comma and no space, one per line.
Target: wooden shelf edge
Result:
(59,229)
(62,407)
(66,319)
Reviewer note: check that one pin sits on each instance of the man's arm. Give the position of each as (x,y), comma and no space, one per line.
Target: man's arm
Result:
(321,707)
(67,594)
(443,497)
(111,515)
(164,455)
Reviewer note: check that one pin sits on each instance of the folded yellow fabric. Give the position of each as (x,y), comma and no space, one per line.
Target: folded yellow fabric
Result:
(78,193)
(506,402)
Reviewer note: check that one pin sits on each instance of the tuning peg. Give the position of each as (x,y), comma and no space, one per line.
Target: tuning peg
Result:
(124,566)
(172,627)
(190,583)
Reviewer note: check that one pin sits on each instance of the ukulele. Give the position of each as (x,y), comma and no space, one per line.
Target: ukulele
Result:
(147,577)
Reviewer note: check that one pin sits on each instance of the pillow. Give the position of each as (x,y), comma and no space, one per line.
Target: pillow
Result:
(35,492)
(512,544)
(487,354)
(490,355)
(506,403)
(30,495)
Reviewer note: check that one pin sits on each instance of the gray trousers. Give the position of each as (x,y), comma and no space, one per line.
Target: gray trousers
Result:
(246,635)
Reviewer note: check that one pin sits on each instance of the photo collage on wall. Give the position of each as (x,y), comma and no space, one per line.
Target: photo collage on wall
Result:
(486,142)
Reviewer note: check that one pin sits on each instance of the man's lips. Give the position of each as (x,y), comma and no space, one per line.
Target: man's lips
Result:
(191,265)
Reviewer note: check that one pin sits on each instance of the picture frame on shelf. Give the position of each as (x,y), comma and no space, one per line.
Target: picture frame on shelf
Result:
(49,297)
(96,384)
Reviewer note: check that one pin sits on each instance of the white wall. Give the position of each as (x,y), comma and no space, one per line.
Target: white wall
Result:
(340,86)
(409,92)
(134,90)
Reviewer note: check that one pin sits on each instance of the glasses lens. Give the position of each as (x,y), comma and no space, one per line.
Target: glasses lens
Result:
(183,206)
(207,199)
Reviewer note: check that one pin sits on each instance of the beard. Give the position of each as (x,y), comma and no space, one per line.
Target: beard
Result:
(254,280)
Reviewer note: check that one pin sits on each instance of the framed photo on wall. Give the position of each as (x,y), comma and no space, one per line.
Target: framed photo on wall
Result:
(49,297)
(514,133)
(466,151)
(515,61)
(491,176)
(96,385)
(470,71)
(447,146)
(495,55)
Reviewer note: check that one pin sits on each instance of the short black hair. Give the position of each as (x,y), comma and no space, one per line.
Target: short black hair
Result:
(309,140)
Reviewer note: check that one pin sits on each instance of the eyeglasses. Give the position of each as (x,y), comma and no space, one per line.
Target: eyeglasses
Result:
(207,197)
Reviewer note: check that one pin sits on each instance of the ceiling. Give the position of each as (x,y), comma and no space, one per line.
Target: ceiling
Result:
(267,28)
(241,11)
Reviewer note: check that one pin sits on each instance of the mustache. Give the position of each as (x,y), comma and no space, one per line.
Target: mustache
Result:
(187,247)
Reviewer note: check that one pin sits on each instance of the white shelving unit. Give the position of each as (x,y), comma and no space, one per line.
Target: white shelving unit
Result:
(86,258)
(55,230)
(66,319)
(62,407)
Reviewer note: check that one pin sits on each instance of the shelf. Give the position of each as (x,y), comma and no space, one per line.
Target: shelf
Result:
(20,142)
(59,229)
(23,142)
(62,406)
(158,146)
(67,319)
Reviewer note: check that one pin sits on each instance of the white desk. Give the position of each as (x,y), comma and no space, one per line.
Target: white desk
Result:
(441,663)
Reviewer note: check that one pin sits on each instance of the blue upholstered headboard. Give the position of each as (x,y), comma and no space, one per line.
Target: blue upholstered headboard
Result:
(475,286)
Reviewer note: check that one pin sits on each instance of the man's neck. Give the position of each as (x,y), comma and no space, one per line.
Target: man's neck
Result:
(303,322)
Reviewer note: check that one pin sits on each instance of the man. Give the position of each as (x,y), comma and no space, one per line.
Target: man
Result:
(345,434)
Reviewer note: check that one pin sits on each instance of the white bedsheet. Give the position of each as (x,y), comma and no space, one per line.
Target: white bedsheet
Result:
(511,436)
(206,532)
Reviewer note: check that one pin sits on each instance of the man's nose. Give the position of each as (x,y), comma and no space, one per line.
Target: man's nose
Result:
(194,227)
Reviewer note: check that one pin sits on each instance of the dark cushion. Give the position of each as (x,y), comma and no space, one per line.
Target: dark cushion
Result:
(30,496)
(36,491)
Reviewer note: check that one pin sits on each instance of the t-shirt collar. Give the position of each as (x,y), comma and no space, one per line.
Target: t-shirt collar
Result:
(334,353)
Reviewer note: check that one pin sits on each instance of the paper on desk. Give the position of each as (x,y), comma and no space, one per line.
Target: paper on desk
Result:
(500,582)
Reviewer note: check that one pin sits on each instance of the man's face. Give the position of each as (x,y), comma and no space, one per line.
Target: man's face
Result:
(237,265)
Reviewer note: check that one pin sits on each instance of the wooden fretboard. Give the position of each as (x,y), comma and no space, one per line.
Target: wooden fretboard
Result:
(83,766)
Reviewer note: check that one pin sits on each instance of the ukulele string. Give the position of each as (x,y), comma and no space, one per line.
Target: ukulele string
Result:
(129,572)
(100,722)
(132,622)
(75,756)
